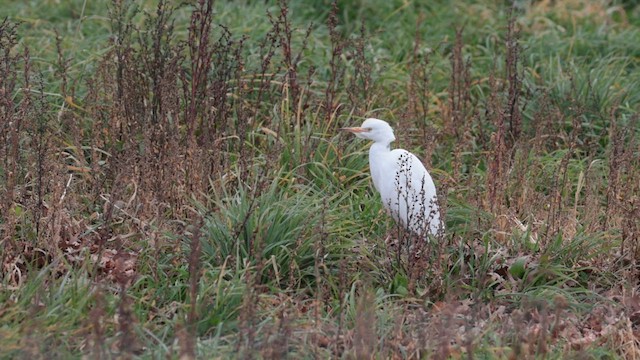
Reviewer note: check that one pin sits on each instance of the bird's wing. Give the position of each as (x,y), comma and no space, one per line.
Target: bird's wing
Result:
(412,173)
(417,192)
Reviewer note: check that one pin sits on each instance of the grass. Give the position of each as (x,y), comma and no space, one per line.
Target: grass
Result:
(174,183)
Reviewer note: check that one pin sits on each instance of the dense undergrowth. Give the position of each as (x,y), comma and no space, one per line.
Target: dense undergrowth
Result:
(174,184)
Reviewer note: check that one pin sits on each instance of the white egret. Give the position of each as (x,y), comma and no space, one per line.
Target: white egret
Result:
(404,184)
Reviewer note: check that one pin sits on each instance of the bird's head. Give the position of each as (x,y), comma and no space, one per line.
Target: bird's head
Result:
(373,129)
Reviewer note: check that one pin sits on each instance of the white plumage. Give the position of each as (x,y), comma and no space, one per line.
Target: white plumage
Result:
(404,184)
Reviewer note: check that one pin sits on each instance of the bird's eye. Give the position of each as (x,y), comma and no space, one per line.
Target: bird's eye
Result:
(368,129)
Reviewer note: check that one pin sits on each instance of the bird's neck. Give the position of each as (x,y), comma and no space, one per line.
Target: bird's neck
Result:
(377,153)
(378,165)
(380,148)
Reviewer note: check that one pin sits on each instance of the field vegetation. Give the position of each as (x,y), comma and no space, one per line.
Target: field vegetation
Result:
(174,183)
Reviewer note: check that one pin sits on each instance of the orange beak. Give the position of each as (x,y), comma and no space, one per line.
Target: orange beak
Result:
(354,130)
